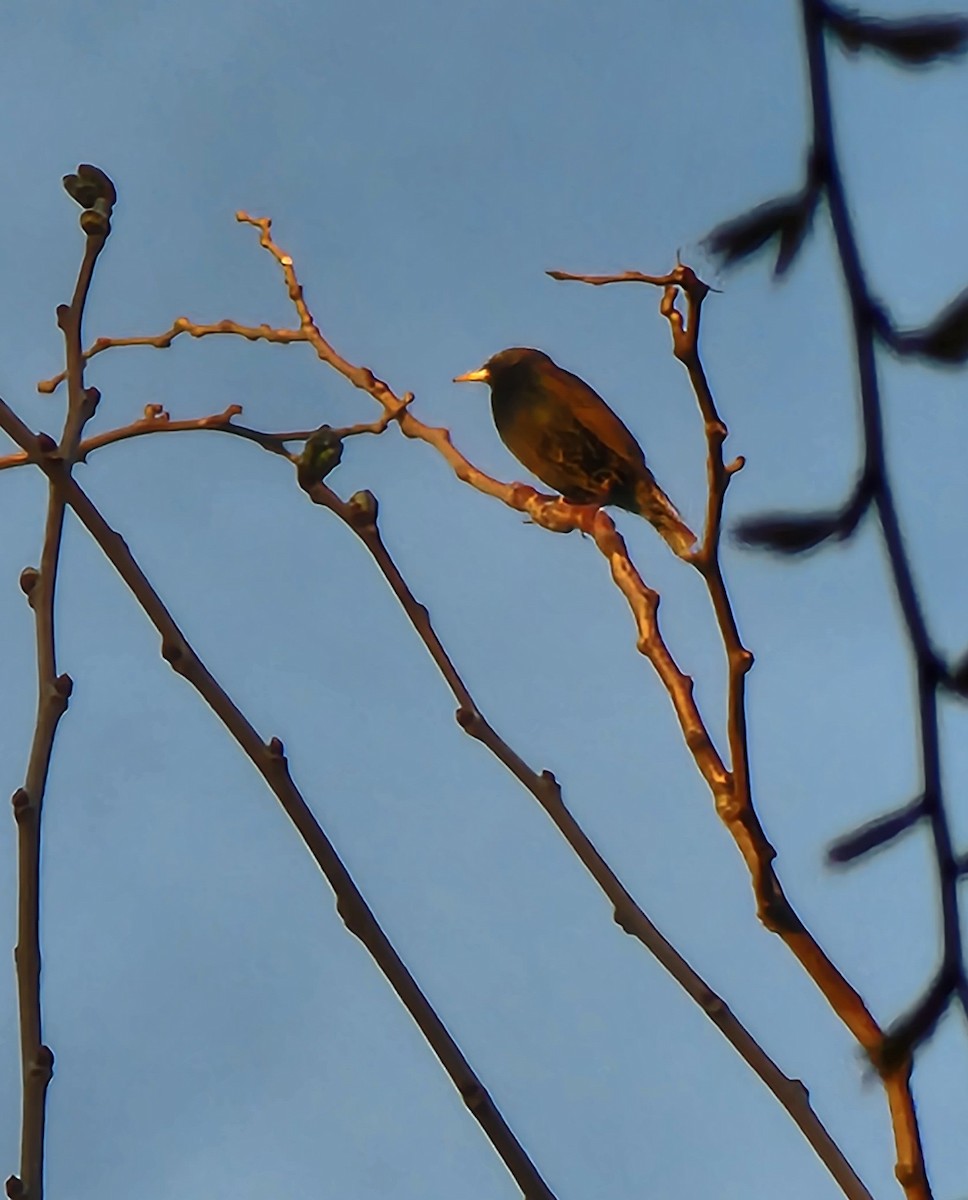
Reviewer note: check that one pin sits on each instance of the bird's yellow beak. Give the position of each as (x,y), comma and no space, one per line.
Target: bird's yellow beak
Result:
(481,375)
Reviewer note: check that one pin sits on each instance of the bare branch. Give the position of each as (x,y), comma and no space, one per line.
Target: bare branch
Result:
(157,420)
(162,341)
(53,693)
(269,759)
(360,514)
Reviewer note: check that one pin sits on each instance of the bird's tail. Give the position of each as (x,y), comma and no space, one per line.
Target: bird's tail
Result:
(652,503)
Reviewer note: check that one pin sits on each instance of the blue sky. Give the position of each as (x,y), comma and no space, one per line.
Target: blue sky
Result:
(217,1031)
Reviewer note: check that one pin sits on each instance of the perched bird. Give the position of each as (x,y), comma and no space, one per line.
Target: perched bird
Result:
(562,431)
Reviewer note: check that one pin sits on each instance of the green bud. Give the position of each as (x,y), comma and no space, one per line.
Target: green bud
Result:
(321,454)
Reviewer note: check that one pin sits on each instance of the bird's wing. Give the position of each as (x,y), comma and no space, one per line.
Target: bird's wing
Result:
(591,412)
(585,469)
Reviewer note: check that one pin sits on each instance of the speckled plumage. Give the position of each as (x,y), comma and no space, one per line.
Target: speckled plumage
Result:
(564,433)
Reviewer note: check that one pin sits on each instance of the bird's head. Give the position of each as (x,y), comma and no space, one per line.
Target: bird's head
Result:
(514,364)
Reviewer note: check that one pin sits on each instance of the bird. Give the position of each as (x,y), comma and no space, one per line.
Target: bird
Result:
(564,433)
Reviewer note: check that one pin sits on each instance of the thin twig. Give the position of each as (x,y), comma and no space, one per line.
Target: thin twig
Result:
(163,341)
(544,510)
(157,420)
(53,693)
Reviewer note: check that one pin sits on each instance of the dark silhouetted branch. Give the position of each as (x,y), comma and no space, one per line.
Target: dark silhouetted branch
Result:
(931,673)
(876,834)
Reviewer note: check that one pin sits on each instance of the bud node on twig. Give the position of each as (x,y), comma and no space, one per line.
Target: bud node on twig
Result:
(364,508)
(94,222)
(621,916)
(29,578)
(778,917)
(473,1095)
(92,398)
(321,454)
(551,788)
(43,1064)
(171,652)
(349,913)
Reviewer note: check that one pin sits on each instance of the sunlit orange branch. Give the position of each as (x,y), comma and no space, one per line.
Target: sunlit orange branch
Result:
(731,790)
